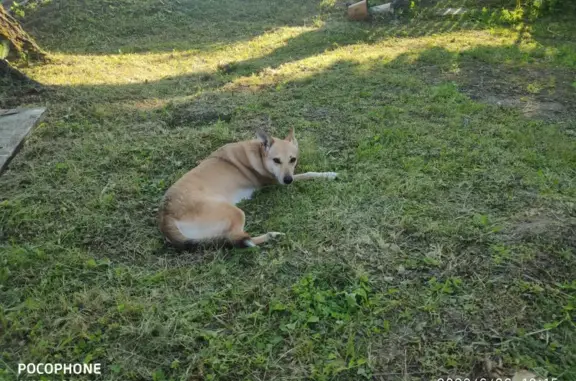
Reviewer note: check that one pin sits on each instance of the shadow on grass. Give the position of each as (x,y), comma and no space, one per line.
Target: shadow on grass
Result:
(131,26)
(486,72)
(332,35)
(99,27)
(336,35)
(104,28)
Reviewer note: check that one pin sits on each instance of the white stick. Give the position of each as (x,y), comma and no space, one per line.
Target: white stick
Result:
(315,175)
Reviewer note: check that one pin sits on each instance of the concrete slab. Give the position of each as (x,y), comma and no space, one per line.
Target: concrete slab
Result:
(15,125)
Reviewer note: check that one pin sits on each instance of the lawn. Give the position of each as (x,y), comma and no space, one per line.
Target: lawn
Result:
(448,241)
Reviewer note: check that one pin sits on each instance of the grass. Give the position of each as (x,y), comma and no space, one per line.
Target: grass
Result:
(448,239)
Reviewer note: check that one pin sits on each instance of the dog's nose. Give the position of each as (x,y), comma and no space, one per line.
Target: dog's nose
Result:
(288,179)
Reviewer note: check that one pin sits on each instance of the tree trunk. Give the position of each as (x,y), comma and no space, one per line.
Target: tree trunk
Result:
(19,40)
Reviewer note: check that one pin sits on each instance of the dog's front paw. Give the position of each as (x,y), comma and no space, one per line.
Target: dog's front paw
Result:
(274,235)
(330,175)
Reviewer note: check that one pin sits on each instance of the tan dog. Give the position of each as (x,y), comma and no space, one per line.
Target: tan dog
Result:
(200,206)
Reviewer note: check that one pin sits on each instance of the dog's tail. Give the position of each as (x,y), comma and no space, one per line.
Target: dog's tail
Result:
(169,229)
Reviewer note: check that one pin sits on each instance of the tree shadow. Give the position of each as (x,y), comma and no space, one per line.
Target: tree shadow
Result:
(96,27)
(148,26)
(341,34)
(503,67)
(106,27)
(334,34)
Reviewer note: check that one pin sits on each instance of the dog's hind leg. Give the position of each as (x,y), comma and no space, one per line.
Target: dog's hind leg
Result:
(236,233)
(265,238)
(243,239)
(239,237)
(216,220)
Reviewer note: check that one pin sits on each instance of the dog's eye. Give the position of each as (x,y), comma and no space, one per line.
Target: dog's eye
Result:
(293,160)
(277,161)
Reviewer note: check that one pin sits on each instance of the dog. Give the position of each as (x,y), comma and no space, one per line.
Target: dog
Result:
(201,206)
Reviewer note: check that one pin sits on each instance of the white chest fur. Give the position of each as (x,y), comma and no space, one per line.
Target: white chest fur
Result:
(242,194)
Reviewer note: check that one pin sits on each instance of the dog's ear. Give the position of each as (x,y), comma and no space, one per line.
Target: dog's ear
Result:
(265,139)
(292,137)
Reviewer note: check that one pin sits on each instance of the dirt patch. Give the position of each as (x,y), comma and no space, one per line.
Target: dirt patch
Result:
(550,238)
(541,93)
(537,93)
(530,108)
(543,225)
(535,226)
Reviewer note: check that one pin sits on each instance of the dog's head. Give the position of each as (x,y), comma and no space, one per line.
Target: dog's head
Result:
(280,155)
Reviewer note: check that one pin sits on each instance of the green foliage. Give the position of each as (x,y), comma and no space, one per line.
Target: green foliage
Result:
(504,12)
(547,7)
(4,48)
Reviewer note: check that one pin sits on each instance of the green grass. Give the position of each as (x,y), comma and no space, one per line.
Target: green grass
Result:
(449,237)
